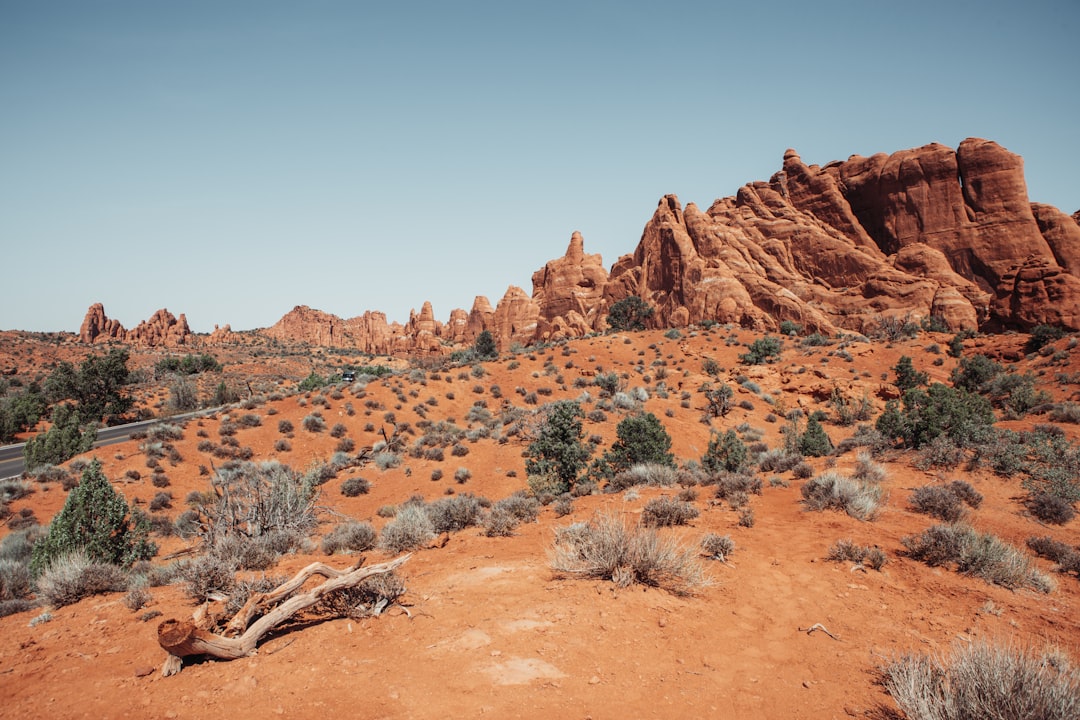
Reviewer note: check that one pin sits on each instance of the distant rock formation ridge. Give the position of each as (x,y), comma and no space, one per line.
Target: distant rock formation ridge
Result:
(923,232)
(162,329)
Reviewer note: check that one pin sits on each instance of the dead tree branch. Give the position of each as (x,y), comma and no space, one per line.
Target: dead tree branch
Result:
(184,638)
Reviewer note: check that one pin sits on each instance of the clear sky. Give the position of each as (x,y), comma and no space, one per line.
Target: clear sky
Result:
(230,160)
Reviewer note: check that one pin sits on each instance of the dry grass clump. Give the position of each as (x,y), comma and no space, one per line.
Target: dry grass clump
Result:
(1066,556)
(945,502)
(985,680)
(643,474)
(74,576)
(834,491)
(717,547)
(606,548)
(665,512)
(864,555)
(351,537)
(979,554)
(410,529)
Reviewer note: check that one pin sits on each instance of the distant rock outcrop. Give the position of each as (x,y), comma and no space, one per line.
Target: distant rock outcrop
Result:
(925,232)
(163,329)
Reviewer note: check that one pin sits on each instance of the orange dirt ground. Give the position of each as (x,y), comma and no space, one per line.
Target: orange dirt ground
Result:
(493,632)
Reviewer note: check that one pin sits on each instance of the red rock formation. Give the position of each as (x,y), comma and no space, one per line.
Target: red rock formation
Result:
(515,320)
(97,327)
(368,332)
(927,231)
(923,232)
(481,318)
(570,292)
(161,330)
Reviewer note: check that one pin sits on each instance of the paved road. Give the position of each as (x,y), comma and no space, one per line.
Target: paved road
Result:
(11,456)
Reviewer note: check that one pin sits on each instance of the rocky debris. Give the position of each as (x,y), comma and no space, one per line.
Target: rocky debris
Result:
(163,329)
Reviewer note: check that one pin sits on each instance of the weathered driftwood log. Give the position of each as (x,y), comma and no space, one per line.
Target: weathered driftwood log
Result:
(183,638)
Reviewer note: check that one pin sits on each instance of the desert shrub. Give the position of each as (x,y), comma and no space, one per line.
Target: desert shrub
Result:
(500,522)
(410,529)
(907,377)
(12,489)
(206,576)
(462,475)
(937,501)
(95,520)
(563,506)
(969,495)
(386,460)
(11,607)
(338,431)
(520,506)
(985,680)
(607,548)
(779,460)
(939,410)
(558,450)
(1051,549)
(1042,335)
(161,501)
(814,441)
(734,485)
(643,474)
(867,470)
(630,313)
(836,492)
(848,551)
(16,580)
(717,547)
(349,536)
(762,350)
(641,439)
(64,439)
(725,453)
(1051,509)
(981,555)
(941,452)
(455,513)
(973,373)
(19,546)
(354,486)
(285,426)
(72,576)
(255,500)
(313,423)
(664,512)
(1067,412)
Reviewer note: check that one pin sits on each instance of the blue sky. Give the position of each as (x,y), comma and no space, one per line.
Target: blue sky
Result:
(230,160)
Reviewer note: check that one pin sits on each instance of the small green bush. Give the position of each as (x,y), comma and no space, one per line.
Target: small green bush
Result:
(94,520)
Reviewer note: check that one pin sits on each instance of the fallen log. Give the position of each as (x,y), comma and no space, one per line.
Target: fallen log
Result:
(185,638)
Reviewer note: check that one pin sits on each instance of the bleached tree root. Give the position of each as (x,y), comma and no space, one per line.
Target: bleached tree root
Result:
(184,638)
